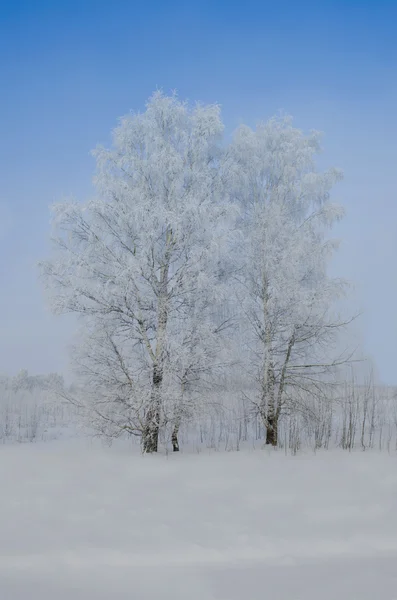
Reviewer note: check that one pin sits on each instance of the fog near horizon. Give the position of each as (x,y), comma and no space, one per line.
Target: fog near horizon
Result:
(71,72)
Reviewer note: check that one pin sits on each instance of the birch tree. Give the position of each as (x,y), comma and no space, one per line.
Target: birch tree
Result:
(135,262)
(282,288)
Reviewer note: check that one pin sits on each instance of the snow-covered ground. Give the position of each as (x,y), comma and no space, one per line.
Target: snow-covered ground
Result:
(82,522)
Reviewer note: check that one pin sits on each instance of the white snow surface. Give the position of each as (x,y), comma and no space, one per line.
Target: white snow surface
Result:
(79,521)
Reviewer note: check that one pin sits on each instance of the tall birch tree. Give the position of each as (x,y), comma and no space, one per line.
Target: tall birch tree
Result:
(136,261)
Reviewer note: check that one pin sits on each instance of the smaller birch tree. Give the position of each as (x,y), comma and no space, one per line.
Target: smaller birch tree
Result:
(282,288)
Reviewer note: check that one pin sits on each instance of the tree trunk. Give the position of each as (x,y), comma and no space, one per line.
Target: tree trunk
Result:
(271,411)
(272,432)
(174,436)
(150,434)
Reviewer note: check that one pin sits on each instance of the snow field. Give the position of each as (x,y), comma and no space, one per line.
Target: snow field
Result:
(85,522)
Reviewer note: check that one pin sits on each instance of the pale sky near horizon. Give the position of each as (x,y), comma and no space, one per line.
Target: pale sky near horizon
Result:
(69,69)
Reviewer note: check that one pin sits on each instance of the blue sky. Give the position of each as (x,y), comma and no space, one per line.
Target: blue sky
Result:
(69,69)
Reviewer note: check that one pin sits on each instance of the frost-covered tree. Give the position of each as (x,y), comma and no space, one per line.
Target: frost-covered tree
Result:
(140,264)
(187,235)
(24,381)
(283,292)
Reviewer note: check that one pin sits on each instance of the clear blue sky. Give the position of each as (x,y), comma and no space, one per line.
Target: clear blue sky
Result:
(69,69)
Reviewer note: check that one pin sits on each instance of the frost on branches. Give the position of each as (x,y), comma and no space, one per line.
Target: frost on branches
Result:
(281,283)
(140,263)
(187,237)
